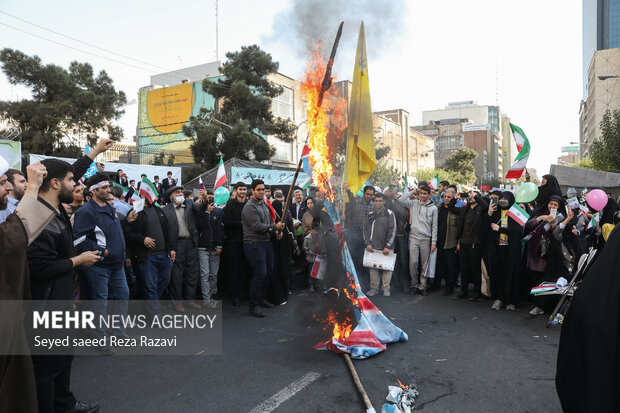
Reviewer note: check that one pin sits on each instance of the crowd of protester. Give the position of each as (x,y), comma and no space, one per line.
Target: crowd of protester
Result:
(186,249)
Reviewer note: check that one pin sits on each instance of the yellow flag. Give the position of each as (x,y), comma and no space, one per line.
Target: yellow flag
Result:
(361,158)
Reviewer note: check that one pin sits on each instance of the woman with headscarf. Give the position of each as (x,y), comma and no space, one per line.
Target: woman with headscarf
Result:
(609,213)
(505,253)
(588,365)
(278,292)
(549,187)
(543,251)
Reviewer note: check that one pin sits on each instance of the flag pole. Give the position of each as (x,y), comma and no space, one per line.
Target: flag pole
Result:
(327,83)
(358,384)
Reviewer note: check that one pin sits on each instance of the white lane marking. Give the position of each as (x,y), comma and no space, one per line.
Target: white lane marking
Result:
(286,393)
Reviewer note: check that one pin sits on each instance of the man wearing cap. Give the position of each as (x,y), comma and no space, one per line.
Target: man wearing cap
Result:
(96,227)
(17,383)
(183,238)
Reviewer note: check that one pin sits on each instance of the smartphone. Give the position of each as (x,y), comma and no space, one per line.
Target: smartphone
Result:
(553,212)
(493,201)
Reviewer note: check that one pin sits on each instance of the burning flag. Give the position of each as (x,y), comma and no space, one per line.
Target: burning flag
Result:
(516,170)
(361,157)
(373,330)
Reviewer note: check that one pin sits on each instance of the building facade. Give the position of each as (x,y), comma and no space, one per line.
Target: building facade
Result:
(409,149)
(570,155)
(603,95)
(600,31)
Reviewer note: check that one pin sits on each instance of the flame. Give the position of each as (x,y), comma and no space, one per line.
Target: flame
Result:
(402,385)
(321,119)
(340,329)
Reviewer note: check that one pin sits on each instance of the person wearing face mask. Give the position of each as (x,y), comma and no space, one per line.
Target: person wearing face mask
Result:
(183,238)
(505,257)
(150,247)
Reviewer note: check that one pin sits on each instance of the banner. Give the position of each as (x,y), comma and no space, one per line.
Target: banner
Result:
(269,176)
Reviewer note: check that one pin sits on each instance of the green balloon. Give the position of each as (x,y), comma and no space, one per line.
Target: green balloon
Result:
(221,195)
(526,192)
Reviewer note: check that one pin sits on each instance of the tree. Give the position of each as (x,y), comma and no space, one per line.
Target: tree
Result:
(66,105)
(605,152)
(461,162)
(384,175)
(240,126)
(444,175)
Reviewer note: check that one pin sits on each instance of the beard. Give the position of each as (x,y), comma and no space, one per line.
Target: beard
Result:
(65,196)
(3,202)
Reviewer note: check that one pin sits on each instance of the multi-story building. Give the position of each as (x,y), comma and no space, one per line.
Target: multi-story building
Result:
(600,31)
(478,114)
(603,95)
(167,104)
(570,155)
(409,149)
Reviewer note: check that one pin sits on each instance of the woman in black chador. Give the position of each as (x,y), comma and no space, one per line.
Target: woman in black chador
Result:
(588,368)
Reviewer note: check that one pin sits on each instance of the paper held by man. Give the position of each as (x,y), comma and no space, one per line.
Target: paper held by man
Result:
(376,259)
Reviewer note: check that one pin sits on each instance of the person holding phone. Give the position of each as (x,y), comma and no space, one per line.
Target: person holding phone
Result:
(543,253)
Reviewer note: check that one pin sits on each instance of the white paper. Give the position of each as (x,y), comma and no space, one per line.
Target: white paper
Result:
(138,205)
(378,260)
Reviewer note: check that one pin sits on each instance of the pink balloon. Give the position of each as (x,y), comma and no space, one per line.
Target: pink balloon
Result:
(597,199)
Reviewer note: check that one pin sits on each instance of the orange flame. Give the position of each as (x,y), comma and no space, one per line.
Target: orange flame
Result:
(340,330)
(320,119)
(402,385)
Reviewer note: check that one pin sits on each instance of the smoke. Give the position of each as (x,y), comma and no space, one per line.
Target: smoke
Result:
(307,22)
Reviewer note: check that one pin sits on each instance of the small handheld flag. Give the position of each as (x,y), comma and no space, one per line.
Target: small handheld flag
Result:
(200,184)
(148,190)
(518,214)
(220,180)
(434,183)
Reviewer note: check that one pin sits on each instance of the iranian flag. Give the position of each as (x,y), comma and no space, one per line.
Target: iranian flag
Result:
(523,144)
(305,183)
(220,180)
(594,221)
(148,190)
(518,214)
(125,190)
(434,183)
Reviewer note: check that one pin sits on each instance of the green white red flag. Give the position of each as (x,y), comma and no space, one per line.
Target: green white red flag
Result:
(523,144)
(220,179)
(434,183)
(125,190)
(148,190)
(518,214)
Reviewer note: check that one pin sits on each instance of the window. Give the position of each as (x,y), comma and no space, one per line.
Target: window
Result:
(284,151)
(282,105)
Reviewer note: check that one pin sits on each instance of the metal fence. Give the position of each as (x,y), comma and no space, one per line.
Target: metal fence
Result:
(146,155)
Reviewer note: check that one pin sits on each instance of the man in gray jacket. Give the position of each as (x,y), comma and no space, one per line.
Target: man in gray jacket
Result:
(423,235)
(379,233)
(257,230)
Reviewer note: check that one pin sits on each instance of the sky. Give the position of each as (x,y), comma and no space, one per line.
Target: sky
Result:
(524,56)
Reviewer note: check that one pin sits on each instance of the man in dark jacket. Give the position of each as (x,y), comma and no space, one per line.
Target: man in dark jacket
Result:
(211,240)
(166,184)
(447,258)
(96,227)
(236,264)
(258,227)
(470,235)
(379,231)
(52,259)
(183,238)
(147,237)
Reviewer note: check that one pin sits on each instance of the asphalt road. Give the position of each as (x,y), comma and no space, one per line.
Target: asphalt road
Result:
(463,357)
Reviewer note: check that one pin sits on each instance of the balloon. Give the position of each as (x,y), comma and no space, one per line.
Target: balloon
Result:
(597,199)
(526,192)
(221,195)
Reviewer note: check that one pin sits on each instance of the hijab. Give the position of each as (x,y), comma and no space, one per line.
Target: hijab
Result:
(552,187)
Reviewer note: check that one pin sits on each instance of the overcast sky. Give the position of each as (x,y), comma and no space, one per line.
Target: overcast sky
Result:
(525,55)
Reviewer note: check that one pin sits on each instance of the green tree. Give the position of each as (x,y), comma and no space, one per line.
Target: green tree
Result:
(461,162)
(584,163)
(384,175)
(244,119)
(605,152)
(66,105)
(444,175)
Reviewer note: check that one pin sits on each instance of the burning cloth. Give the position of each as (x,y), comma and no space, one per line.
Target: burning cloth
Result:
(373,330)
